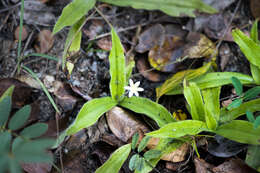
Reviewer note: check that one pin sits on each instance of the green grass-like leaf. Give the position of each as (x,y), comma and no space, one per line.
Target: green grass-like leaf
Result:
(252,93)
(179,129)
(240,131)
(229,115)
(235,103)
(257,122)
(116,160)
(252,156)
(250,116)
(248,47)
(133,162)
(117,68)
(90,113)
(72,13)
(19,118)
(145,106)
(171,7)
(211,106)
(193,96)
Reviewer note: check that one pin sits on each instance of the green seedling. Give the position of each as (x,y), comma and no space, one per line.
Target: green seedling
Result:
(20,145)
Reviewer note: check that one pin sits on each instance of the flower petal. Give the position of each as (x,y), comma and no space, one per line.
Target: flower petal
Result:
(140,89)
(136,93)
(130,94)
(131,83)
(137,84)
(127,87)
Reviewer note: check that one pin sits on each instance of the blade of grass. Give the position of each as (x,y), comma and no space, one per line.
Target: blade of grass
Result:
(43,87)
(20,36)
(42,55)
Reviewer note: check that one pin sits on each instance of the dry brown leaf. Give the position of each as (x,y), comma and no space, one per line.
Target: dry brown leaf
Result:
(24,33)
(255,8)
(105,43)
(124,124)
(45,41)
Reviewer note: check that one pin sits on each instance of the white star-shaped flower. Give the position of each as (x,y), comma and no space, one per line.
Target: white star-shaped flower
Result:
(133,88)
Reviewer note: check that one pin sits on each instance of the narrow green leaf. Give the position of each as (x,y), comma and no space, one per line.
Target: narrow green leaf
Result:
(72,13)
(250,116)
(254,32)
(5,138)
(134,140)
(34,130)
(211,106)
(179,129)
(252,156)
(252,93)
(59,139)
(74,37)
(240,131)
(19,118)
(257,122)
(116,160)
(214,79)
(193,96)
(255,71)
(152,154)
(145,106)
(129,69)
(5,108)
(143,143)
(90,113)
(14,166)
(171,7)
(229,115)
(238,85)
(176,80)
(235,103)
(117,68)
(133,162)
(248,47)
(8,92)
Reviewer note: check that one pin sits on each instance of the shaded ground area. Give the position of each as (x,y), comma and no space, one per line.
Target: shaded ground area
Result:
(88,149)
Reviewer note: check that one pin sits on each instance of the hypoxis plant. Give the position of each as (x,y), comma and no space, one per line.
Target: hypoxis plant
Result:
(207,116)
(94,109)
(20,145)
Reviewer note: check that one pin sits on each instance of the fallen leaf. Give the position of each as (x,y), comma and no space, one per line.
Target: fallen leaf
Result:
(95,28)
(22,92)
(105,43)
(234,166)
(45,41)
(145,69)
(24,33)
(154,35)
(65,96)
(199,46)
(124,124)
(255,8)
(163,57)
(202,166)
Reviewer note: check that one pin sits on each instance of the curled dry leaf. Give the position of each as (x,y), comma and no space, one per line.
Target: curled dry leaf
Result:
(255,8)
(163,58)
(199,46)
(145,69)
(29,80)
(64,95)
(124,124)
(45,41)
(95,28)
(105,43)
(24,33)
